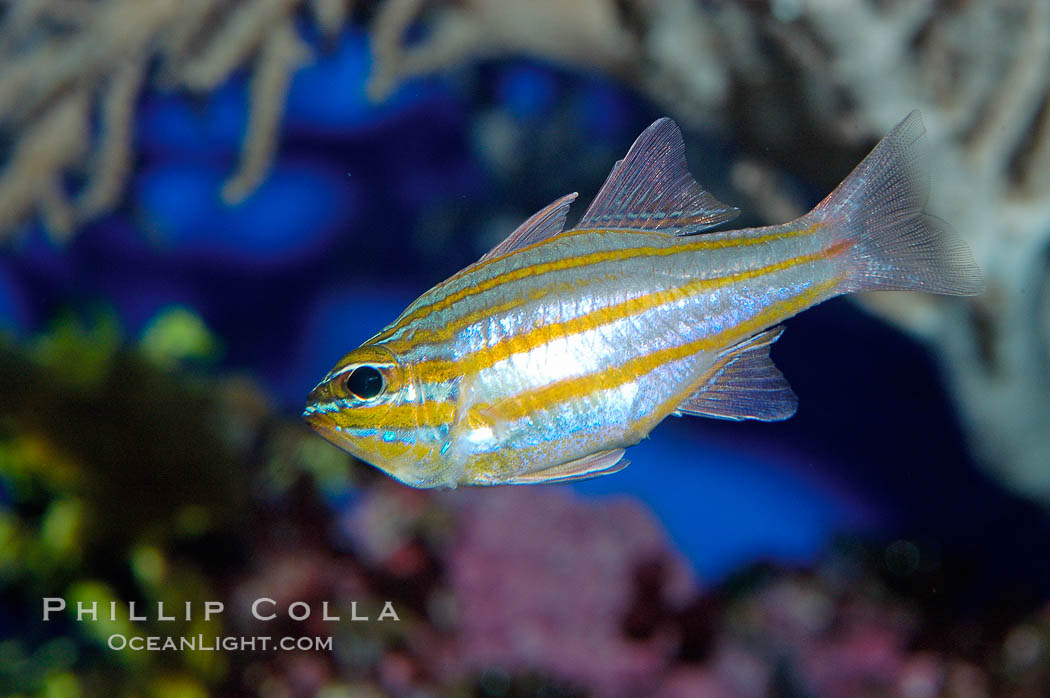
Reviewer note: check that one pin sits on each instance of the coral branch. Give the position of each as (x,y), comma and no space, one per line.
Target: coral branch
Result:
(330,15)
(245,29)
(586,32)
(30,180)
(99,55)
(113,153)
(1019,93)
(387,34)
(281,56)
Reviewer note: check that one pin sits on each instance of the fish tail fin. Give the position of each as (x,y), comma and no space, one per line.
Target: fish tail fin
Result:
(888,241)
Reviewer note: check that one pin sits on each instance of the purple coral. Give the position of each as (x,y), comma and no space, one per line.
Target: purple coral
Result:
(544,583)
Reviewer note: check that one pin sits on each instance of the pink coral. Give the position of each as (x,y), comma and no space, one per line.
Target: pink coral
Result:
(545,583)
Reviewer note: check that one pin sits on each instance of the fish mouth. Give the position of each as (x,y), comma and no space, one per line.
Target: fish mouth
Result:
(320,408)
(324,425)
(317,419)
(313,415)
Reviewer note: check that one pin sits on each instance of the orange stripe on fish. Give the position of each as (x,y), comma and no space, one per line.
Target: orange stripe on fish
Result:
(445,332)
(439,371)
(519,406)
(585,260)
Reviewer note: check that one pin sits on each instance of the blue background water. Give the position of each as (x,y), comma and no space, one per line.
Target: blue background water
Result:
(368,205)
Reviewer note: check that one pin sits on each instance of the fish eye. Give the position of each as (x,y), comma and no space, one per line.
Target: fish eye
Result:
(365,382)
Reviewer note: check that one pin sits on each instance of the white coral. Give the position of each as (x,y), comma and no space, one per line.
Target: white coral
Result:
(981,75)
(64,60)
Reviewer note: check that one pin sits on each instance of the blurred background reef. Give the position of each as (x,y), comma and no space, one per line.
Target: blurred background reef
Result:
(204,203)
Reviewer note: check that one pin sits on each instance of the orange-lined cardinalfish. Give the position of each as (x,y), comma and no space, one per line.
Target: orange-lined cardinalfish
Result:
(542,361)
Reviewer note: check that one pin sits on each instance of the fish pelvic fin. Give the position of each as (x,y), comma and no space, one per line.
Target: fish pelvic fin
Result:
(888,241)
(744,384)
(651,189)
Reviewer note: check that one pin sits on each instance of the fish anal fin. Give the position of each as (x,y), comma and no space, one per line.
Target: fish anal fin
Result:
(744,384)
(601,463)
(547,222)
(651,189)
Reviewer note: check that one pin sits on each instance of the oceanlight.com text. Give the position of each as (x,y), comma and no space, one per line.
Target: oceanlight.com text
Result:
(214,643)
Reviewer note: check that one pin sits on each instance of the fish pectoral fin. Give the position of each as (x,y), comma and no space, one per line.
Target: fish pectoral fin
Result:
(545,223)
(499,417)
(601,463)
(744,384)
(651,189)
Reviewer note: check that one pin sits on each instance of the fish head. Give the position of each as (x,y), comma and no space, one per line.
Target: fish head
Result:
(368,406)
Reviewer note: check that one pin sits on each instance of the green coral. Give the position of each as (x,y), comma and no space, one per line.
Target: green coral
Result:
(176,335)
(109,465)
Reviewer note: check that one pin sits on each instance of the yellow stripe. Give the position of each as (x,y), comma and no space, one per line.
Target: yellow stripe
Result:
(514,408)
(394,416)
(439,371)
(385,451)
(580,261)
(481,264)
(445,332)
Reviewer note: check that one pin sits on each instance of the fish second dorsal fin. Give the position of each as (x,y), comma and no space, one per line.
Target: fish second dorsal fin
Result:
(548,221)
(601,463)
(744,384)
(651,189)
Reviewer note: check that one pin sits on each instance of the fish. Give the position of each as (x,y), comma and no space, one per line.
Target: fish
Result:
(560,348)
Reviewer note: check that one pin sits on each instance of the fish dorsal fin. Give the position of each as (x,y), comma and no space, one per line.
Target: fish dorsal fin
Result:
(744,384)
(548,221)
(601,463)
(651,189)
